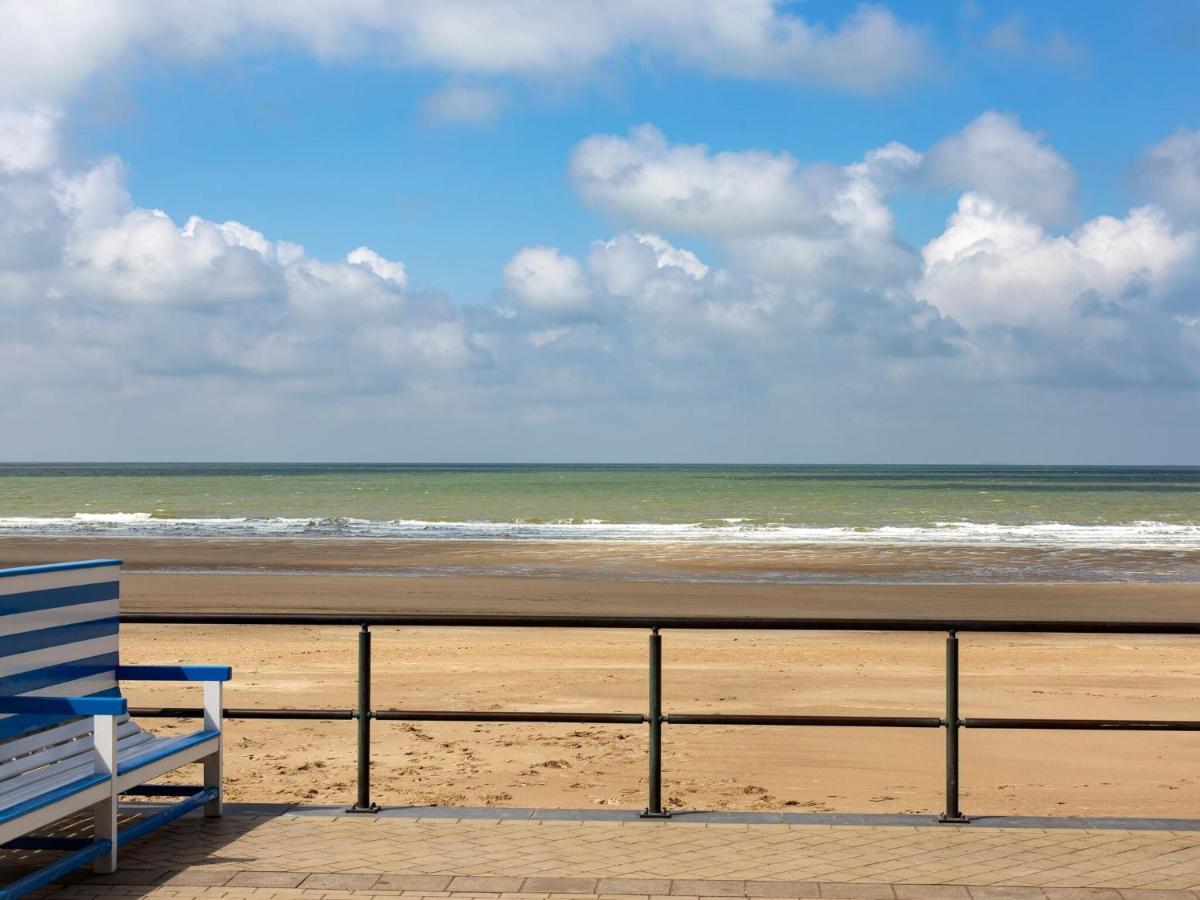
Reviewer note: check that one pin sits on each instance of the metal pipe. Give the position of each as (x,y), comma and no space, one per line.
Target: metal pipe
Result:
(363,713)
(194,712)
(456,715)
(819,721)
(953,813)
(1085,724)
(654,718)
(588,718)
(719,623)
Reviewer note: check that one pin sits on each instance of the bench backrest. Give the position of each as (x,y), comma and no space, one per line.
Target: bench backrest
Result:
(58,636)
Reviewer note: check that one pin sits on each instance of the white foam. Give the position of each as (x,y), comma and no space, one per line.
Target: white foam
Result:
(1145,534)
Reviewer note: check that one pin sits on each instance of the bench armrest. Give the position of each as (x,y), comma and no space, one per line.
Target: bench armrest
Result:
(64,706)
(174,673)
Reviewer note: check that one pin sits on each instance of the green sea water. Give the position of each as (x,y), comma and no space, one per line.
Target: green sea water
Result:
(1090,506)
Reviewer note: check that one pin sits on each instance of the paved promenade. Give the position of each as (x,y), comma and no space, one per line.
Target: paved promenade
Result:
(307,854)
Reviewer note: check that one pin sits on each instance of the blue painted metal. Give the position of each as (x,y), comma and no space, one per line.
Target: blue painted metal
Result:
(68,706)
(150,823)
(55,870)
(16,725)
(52,598)
(174,673)
(51,797)
(58,567)
(41,639)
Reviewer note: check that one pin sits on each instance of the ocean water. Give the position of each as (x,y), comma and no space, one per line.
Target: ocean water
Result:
(1053,506)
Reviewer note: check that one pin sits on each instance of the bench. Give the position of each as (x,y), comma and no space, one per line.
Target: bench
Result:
(67,743)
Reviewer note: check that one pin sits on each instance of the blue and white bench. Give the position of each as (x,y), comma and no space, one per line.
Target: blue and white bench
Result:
(67,744)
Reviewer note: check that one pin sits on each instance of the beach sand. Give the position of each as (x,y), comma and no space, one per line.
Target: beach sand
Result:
(799,769)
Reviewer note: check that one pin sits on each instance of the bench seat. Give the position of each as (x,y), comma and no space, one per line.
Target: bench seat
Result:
(67,743)
(63,763)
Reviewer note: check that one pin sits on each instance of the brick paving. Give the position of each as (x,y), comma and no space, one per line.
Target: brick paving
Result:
(313,857)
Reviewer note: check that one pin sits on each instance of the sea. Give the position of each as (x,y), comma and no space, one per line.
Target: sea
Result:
(1063,506)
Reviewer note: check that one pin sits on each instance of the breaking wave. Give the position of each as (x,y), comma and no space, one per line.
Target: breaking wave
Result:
(1145,534)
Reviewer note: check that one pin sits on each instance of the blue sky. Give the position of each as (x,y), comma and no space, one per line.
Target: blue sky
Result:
(901,232)
(338,154)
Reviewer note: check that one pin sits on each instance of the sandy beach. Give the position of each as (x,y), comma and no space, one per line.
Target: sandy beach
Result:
(710,767)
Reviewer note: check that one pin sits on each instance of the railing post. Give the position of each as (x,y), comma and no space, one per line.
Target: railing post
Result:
(363,713)
(952,813)
(654,808)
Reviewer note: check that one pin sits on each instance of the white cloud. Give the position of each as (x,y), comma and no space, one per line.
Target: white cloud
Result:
(544,279)
(1169,173)
(645,180)
(802,285)
(29,138)
(994,265)
(128,297)
(49,50)
(994,155)
(384,268)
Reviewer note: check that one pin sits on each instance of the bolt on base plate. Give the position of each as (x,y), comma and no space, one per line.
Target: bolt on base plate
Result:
(373,808)
(647,814)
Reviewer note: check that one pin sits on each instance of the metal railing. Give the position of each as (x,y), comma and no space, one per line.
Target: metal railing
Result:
(654,717)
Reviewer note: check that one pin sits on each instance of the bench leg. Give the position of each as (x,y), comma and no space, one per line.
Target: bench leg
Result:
(213,764)
(104,813)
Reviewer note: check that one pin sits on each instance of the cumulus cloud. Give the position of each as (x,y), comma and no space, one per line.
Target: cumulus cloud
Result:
(646,180)
(813,247)
(1113,302)
(994,155)
(28,138)
(803,285)
(1169,173)
(544,279)
(995,265)
(51,49)
(126,292)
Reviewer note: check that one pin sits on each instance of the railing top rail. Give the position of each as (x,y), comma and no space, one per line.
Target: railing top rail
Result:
(715,623)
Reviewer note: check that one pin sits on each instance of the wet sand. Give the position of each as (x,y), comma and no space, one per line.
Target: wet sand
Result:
(843,769)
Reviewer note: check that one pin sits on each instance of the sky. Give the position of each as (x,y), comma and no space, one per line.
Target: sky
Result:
(605,230)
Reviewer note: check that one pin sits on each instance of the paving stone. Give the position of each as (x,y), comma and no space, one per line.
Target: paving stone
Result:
(484,884)
(197,877)
(266,879)
(643,886)
(339,882)
(857,891)
(709,888)
(560,885)
(782,889)
(1003,892)
(931,892)
(434,883)
(127,876)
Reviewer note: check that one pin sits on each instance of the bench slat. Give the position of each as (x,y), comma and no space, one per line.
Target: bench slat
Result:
(52,618)
(14,725)
(56,735)
(72,769)
(90,647)
(80,742)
